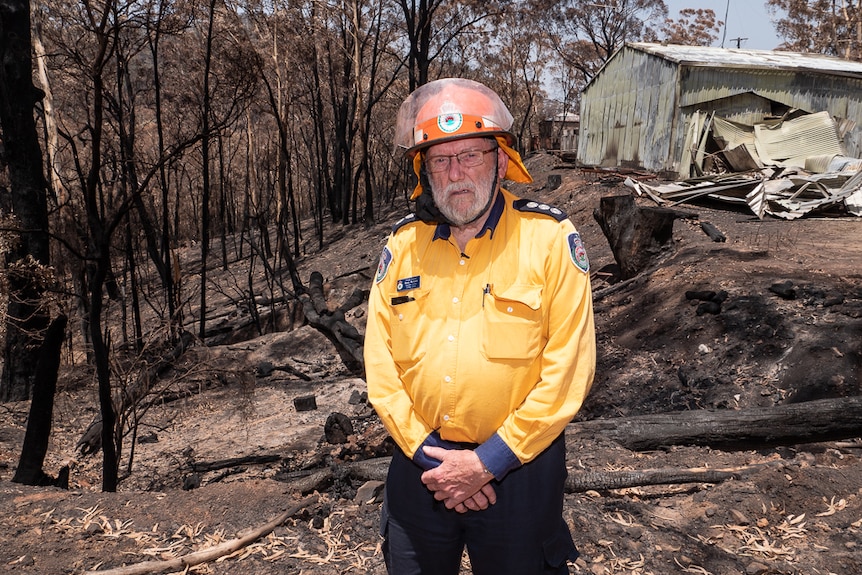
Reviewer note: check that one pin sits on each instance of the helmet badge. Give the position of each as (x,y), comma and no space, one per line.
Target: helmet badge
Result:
(450,123)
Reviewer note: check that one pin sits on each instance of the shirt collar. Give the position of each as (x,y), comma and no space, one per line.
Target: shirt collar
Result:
(443,231)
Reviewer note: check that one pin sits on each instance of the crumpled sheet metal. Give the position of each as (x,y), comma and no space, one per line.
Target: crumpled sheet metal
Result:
(784,195)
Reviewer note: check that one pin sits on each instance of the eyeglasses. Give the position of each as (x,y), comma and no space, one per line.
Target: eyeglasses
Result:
(468,159)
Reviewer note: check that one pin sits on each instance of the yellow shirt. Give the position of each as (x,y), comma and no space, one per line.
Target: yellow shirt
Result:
(498,340)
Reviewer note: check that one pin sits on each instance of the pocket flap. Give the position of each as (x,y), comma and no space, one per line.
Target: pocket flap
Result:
(529,295)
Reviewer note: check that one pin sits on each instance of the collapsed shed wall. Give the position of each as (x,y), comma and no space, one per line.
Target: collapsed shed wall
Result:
(811,91)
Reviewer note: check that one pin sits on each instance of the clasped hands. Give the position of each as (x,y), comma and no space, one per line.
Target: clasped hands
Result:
(460,481)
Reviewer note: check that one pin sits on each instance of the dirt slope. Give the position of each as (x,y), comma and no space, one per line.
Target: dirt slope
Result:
(793,509)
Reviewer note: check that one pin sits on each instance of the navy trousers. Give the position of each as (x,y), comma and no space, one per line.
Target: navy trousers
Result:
(522,534)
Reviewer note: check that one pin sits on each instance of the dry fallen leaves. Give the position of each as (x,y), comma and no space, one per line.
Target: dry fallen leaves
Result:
(334,546)
(757,541)
(833,507)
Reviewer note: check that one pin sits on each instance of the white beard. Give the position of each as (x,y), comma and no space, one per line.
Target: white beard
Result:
(461,211)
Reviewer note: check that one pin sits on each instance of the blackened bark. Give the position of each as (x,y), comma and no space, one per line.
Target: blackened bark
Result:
(347,340)
(29,471)
(637,236)
(791,424)
(26,320)
(205,169)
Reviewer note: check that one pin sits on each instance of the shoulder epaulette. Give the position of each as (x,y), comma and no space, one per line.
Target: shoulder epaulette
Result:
(408,219)
(539,208)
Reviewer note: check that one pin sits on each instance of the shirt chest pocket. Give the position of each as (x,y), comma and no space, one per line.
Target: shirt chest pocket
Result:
(512,323)
(405,321)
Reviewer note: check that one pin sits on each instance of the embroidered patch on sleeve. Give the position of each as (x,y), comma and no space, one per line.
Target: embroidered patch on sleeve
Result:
(383,265)
(578,252)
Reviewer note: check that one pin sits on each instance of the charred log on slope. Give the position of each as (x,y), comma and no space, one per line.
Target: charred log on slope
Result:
(806,422)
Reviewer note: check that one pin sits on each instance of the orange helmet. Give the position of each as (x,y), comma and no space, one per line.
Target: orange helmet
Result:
(450,109)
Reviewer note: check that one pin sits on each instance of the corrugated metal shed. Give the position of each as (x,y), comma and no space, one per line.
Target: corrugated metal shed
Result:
(637,109)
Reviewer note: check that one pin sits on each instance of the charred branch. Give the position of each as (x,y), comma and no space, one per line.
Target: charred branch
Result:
(332,323)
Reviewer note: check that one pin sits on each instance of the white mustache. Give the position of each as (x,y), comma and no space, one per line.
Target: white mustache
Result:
(459,187)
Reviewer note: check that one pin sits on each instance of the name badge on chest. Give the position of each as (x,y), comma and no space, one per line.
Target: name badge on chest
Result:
(405,284)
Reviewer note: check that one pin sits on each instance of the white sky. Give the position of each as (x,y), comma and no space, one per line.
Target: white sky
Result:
(744,19)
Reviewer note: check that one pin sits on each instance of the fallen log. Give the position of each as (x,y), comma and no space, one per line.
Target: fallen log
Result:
(791,424)
(205,466)
(320,478)
(210,553)
(579,482)
(808,422)
(309,481)
(713,232)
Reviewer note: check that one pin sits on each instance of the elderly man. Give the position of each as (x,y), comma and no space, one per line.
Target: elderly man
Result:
(479,349)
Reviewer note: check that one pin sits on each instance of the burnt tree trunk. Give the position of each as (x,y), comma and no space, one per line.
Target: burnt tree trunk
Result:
(21,157)
(29,471)
(806,422)
(347,340)
(636,235)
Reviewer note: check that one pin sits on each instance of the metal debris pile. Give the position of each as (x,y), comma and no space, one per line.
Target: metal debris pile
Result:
(787,169)
(770,191)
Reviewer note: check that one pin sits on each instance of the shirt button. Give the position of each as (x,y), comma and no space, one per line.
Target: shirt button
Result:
(462,262)
(400,316)
(447,379)
(509,309)
(445,418)
(454,300)
(451,338)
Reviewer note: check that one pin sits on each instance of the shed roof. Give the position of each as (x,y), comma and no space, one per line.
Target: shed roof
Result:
(757,59)
(567,117)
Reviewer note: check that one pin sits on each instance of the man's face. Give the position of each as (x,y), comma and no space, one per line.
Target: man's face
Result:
(462,192)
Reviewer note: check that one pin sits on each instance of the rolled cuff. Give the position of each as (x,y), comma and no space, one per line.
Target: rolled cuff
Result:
(497,457)
(433,440)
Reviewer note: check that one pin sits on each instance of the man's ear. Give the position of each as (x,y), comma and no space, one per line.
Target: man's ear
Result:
(502,164)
